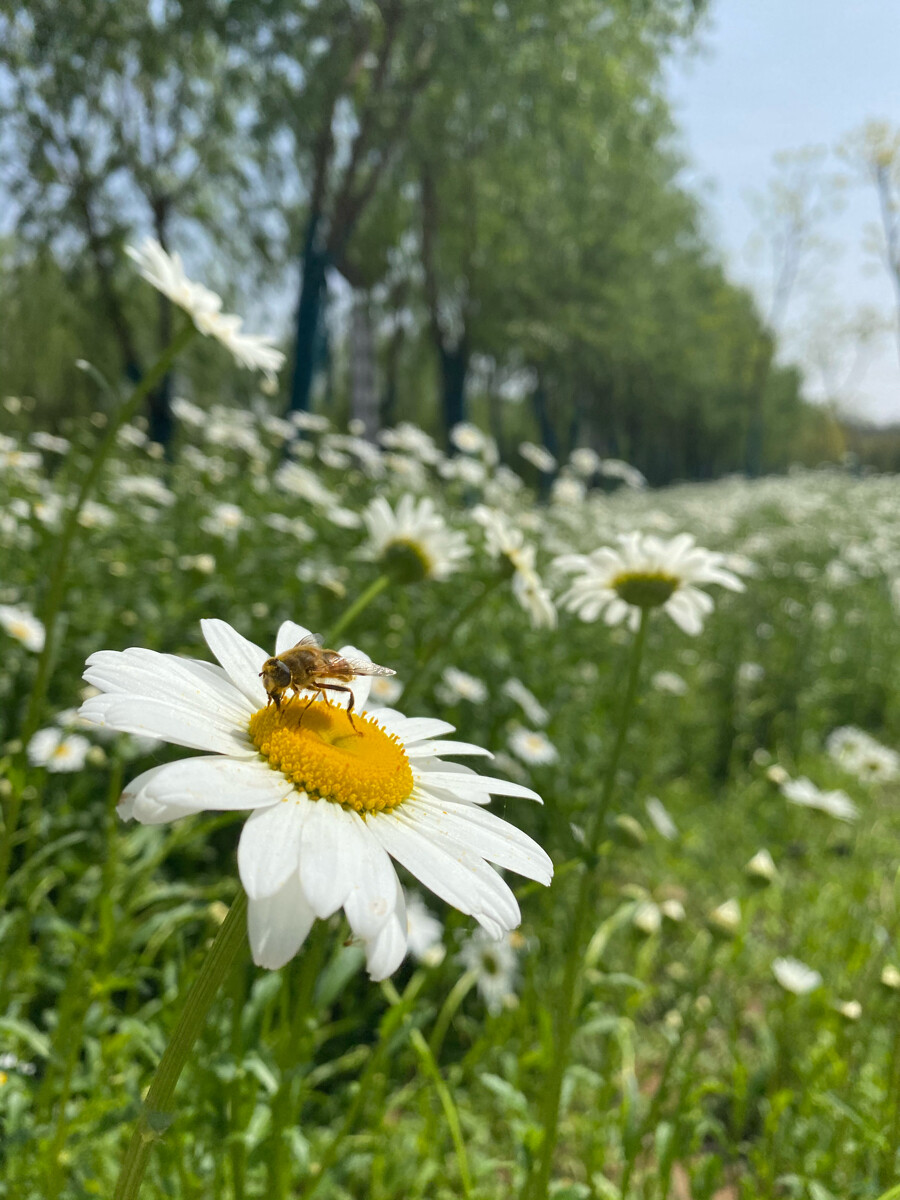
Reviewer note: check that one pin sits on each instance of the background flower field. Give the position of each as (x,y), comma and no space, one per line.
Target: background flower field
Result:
(701,1066)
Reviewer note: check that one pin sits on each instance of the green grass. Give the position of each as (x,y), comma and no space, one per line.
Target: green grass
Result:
(693,1074)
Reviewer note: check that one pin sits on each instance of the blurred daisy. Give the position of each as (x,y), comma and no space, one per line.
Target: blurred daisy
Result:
(166,273)
(23,625)
(504,540)
(538,456)
(795,976)
(413,541)
(330,804)
(660,819)
(726,918)
(58,751)
(385,690)
(647,918)
(495,964)
(224,521)
(47,441)
(858,753)
(585,461)
(458,685)
(615,468)
(527,701)
(468,438)
(668,681)
(761,867)
(644,573)
(533,747)
(804,793)
(424,932)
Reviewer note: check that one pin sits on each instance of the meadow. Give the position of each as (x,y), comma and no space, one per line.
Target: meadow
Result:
(700,1061)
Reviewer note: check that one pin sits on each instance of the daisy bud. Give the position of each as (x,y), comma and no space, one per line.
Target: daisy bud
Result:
(725,920)
(629,831)
(761,868)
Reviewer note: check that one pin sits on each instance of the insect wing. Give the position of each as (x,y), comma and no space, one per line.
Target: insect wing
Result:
(311,639)
(361,666)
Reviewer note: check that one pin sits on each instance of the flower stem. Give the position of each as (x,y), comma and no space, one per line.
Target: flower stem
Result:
(57,574)
(538,1180)
(155,1115)
(353,610)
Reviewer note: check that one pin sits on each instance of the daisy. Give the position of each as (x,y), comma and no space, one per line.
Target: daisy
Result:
(805,793)
(330,804)
(57,751)
(167,274)
(459,685)
(761,867)
(862,755)
(424,932)
(413,541)
(795,976)
(538,456)
(503,540)
(24,626)
(495,964)
(527,701)
(646,573)
(660,818)
(533,747)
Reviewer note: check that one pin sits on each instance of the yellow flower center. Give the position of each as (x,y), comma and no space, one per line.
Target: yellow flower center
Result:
(319,750)
(645,589)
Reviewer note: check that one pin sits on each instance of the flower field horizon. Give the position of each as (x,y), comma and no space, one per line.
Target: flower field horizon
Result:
(703,1002)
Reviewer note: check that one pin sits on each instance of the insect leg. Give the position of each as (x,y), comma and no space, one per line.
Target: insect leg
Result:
(339,687)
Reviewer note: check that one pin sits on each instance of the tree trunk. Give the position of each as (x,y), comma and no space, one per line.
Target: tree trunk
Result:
(454,368)
(309,309)
(363,375)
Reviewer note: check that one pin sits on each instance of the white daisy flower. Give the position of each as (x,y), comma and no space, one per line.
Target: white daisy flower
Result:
(660,818)
(224,521)
(24,626)
(669,681)
(167,274)
(424,932)
(726,918)
(50,443)
(538,456)
(761,867)
(331,802)
(533,747)
(527,701)
(646,572)
(795,976)
(385,690)
(468,438)
(647,918)
(413,541)
(504,540)
(585,461)
(615,468)
(495,963)
(804,793)
(459,685)
(862,755)
(58,751)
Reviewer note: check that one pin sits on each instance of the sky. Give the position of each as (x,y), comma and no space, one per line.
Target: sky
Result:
(781,75)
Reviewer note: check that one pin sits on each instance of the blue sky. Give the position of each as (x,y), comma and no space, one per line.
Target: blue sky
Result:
(776,75)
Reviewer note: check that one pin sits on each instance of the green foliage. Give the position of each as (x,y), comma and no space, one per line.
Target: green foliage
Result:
(691,1068)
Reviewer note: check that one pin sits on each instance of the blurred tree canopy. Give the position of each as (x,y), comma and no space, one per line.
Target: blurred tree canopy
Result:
(491,188)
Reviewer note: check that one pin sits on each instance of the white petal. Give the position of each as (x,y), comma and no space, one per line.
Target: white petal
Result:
(330,849)
(432,749)
(374,890)
(278,925)
(410,729)
(203,687)
(685,613)
(289,634)
(386,951)
(460,878)
(218,784)
(269,849)
(459,781)
(134,803)
(171,723)
(484,833)
(242,659)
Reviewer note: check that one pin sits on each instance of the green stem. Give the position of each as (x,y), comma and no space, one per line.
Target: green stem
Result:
(538,1180)
(457,994)
(156,1115)
(426,1059)
(353,610)
(57,575)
